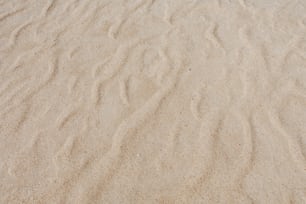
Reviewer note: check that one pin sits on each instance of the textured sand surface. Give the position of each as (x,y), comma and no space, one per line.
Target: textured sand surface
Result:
(153,101)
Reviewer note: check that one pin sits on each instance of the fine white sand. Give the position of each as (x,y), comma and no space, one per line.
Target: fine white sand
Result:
(152,101)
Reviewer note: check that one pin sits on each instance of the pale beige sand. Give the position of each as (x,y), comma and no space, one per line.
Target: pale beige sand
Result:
(153,101)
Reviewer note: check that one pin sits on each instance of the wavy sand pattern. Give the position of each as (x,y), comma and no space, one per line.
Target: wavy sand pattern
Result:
(152,101)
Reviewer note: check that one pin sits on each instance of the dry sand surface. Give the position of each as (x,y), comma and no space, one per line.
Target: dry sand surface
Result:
(152,101)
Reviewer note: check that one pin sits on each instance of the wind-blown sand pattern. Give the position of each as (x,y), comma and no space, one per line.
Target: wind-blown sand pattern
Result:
(152,101)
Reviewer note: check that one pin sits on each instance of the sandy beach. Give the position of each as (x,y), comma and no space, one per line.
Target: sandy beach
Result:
(152,101)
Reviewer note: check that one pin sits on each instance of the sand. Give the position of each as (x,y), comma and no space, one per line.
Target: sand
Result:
(152,101)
